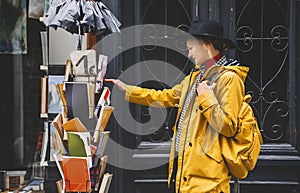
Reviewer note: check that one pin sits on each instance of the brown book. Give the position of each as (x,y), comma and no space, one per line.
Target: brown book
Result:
(62,95)
(58,122)
(44,96)
(102,121)
(74,125)
(68,71)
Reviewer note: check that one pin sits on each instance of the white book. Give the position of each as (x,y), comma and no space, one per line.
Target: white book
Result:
(45,143)
(105,184)
(44,42)
(102,121)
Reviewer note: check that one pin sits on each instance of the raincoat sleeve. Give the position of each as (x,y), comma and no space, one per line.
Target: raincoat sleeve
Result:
(154,98)
(221,105)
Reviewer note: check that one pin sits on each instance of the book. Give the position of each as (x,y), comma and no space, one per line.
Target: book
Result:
(68,72)
(74,125)
(45,143)
(44,96)
(103,100)
(59,185)
(80,102)
(62,95)
(39,144)
(58,122)
(34,184)
(36,8)
(101,167)
(57,158)
(84,65)
(2,180)
(102,66)
(102,121)
(91,99)
(44,42)
(103,164)
(37,170)
(14,179)
(94,175)
(55,104)
(79,145)
(76,174)
(57,145)
(105,184)
(101,146)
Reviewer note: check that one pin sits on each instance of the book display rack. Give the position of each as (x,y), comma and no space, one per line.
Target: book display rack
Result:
(76,140)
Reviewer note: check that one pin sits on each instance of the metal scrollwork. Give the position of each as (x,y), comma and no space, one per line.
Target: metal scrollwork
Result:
(245,35)
(278,110)
(279,43)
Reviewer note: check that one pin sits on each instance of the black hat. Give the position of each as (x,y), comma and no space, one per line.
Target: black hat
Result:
(211,29)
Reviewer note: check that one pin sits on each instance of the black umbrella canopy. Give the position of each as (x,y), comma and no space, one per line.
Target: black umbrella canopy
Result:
(82,16)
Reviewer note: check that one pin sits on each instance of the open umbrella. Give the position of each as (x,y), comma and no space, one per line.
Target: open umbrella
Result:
(83,16)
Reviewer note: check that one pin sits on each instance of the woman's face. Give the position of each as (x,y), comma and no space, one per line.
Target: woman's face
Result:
(197,51)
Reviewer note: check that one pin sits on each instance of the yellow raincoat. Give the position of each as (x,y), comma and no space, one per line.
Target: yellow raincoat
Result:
(201,167)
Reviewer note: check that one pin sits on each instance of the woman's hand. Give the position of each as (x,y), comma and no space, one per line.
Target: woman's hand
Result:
(205,86)
(121,85)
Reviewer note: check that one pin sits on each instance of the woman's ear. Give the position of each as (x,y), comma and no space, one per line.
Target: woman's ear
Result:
(209,49)
(208,45)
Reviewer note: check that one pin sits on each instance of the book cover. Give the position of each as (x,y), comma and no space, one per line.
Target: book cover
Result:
(102,66)
(57,145)
(44,96)
(102,121)
(74,125)
(101,146)
(102,168)
(103,100)
(34,184)
(14,179)
(62,95)
(103,164)
(76,174)
(55,104)
(44,42)
(45,143)
(68,72)
(105,184)
(91,99)
(84,65)
(58,122)
(36,8)
(79,145)
(39,144)
(80,103)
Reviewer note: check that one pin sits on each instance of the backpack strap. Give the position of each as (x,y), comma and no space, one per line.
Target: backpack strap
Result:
(236,185)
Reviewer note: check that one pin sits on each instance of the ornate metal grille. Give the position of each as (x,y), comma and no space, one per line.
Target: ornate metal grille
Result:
(170,13)
(262,28)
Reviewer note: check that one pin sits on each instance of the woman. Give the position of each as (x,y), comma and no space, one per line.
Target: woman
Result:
(208,102)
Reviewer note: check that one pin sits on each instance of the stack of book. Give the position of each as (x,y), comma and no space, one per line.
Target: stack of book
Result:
(11,180)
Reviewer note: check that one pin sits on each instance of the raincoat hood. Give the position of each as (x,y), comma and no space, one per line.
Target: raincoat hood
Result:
(216,71)
(242,71)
